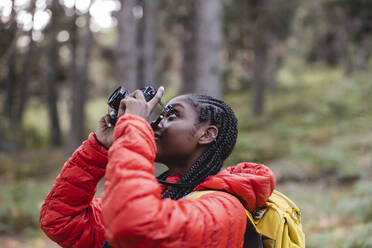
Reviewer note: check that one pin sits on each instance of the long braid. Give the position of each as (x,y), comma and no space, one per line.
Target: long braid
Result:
(217,113)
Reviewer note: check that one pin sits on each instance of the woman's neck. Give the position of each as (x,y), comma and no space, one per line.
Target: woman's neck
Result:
(182,166)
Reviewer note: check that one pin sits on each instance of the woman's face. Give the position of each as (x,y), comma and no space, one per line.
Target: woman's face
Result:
(176,136)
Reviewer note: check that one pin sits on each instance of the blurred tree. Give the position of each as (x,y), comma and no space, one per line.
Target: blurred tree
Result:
(51,72)
(81,47)
(341,33)
(146,43)
(208,47)
(359,14)
(19,67)
(10,35)
(127,54)
(26,74)
(265,32)
(255,32)
(76,126)
(188,21)
(149,41)
(201,39)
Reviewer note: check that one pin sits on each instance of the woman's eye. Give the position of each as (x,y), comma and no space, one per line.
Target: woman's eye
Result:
(171,114)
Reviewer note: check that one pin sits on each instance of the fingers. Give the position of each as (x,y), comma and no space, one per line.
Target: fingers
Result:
(107,120)
(138,94)
(154,101)
(126,103)
(111,112)
(122,107)
(136,104)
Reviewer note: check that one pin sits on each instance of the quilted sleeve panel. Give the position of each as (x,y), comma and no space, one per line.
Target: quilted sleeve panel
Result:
(69,215)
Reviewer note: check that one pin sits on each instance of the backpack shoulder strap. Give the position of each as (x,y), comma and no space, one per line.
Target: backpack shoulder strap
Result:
(280,222)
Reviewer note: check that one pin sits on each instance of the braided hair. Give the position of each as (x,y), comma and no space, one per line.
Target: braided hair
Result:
(215,112)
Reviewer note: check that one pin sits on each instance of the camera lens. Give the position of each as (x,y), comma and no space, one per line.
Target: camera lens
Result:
(114,100)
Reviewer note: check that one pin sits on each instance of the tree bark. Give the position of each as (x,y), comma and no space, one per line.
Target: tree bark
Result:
(51,72)
(10,83)
(52,96)
(189,52)
(362,55)
(149,41)
(273,68)
(11,34)
(76,125)
(126,60)
(209,15)
(81,57)
(9,60)
(26,76)
(259,71)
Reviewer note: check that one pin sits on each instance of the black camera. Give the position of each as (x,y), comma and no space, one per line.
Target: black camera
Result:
(120,93)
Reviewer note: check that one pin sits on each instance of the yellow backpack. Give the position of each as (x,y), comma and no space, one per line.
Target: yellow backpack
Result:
(279,221)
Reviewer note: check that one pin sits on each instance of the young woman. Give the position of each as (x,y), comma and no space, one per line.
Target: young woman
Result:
(193,140)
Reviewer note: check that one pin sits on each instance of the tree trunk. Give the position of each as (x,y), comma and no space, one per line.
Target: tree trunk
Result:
(52,96)
(362,55)
(259,72)
(9,60)
(80,63)
(126,60)
(343,41)
(11,133)
(189,52)
(208,47)
(51,72)
(140,54)
(274,66)
(26,76)
(76,118)
(149,41)
(10,87)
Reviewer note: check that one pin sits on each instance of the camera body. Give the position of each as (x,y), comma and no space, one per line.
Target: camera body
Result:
(120,93)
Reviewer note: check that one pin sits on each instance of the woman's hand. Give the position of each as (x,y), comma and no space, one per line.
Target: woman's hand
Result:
(136,104)
(105,131)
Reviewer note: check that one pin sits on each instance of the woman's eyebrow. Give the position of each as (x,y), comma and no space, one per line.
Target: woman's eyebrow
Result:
(177,105)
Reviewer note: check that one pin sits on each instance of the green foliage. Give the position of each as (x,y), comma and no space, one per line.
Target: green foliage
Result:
(25,181)
(318,126)
(20,205)
(361,237)
(362,207)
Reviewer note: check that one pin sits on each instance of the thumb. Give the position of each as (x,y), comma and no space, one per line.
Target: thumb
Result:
(122,107)
(156,99)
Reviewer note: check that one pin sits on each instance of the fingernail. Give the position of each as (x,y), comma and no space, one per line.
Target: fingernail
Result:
(161,88)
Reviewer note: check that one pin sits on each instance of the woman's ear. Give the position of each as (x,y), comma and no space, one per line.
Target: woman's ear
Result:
(209,135)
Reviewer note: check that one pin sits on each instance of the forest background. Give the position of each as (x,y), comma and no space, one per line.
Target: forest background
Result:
(296,72)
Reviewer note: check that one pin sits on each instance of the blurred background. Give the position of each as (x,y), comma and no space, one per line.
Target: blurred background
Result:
(296,72)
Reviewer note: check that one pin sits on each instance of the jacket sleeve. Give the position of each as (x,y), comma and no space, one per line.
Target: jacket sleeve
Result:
(69,215)
(136,216)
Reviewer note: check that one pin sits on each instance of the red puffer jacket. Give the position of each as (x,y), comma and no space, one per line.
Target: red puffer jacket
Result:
(132,209)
